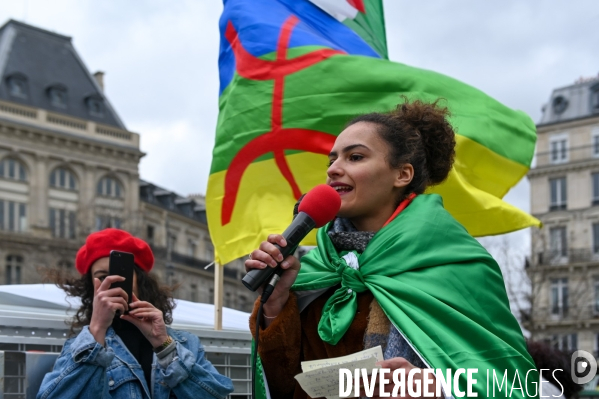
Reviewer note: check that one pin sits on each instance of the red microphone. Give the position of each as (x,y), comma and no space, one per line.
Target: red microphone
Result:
(318,207)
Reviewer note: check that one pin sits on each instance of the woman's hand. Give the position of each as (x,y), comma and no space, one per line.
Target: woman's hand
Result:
(107,301)
(267,256)
(401,363)
(149,320)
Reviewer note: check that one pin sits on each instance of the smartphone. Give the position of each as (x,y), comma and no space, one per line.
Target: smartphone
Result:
(121,264)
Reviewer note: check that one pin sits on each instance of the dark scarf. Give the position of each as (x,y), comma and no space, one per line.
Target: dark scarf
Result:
(137,344)
(345,237)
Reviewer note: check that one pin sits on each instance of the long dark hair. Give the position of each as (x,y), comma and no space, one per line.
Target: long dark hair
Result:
(83,287)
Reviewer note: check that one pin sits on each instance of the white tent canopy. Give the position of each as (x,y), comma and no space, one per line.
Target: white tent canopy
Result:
(50,298)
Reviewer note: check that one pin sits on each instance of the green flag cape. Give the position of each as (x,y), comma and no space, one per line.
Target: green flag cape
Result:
(260,386)
(438,286)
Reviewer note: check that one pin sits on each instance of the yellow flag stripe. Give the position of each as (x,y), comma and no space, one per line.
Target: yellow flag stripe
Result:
(485,169)
(472,194)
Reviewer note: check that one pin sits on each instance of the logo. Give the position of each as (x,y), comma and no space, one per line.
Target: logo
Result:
(583,367)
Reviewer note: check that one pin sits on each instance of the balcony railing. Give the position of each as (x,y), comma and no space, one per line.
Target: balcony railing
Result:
(565,314)
(570,155)
(573,255)
(80,127)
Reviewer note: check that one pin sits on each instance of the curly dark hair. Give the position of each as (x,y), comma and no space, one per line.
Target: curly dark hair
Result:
(418,133)
(547,357)
(83,287)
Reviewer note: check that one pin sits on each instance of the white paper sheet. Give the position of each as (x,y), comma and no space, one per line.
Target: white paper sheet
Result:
(320,378)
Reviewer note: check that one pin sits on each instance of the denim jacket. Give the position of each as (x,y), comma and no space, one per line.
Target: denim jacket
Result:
(86,369)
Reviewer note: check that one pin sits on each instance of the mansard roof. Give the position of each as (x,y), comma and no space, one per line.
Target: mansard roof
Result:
(169,200)
(42,69)
(577,101)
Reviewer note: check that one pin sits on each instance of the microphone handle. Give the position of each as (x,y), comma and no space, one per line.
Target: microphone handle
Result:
(294,234)
(270,287)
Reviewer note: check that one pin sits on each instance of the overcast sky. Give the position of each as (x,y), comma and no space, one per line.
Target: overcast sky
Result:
(160,60)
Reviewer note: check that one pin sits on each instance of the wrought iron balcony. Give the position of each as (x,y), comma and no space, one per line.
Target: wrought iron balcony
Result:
(563,314)
(568,257)
(566,156)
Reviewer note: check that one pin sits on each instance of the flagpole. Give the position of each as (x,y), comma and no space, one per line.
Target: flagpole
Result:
(218,295)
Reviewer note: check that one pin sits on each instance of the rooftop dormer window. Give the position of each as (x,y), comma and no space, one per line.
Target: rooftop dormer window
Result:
(17,85)
(95,105)
(559,104)
(595,98)
(57,94)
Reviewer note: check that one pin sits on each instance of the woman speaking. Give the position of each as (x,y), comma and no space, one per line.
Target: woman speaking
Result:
(394,268)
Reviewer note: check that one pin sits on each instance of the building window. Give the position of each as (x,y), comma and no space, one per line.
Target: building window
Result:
(63,223)
(211,295)
(243,302)
(109,187)
(558,242)
(191,248)
(17,85)
(595,98)
(209,248)
(13,216)
(595,183)
(106,221)
(595,141)
(565,342)
(63,178)
(57,94)
(596,289)
(560,103)
(596,238)
(558,147)
(193,293)
(65,266)
(171,242)
(559,297)
(150,234)
(12,169)
(13,268)
(558,194)
(95,106)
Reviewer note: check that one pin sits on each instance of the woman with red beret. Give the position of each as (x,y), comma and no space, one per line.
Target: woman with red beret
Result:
(135,355)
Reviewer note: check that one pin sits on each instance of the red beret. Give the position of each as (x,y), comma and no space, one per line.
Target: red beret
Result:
(98,245)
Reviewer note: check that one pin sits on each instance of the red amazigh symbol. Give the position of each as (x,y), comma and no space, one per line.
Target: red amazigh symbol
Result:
(279,138)
(358,5)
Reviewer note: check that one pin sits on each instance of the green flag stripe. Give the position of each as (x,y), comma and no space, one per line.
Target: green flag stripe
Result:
(325,96)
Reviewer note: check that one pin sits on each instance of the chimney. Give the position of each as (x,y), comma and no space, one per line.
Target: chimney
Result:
(99,76)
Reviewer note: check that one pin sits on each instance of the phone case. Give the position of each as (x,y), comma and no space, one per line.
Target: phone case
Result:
(121,264)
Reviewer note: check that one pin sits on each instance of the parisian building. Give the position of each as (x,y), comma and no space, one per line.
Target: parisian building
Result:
(564,191)
(69,167)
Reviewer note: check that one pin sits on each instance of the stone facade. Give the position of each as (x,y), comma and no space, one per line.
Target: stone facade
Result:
(564,267)
(68,167)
